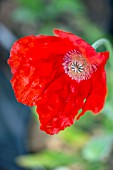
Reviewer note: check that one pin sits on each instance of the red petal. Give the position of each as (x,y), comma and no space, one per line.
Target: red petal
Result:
(19,50)
(96,98)
(60,103)
(101,58)
(68,35)
(86,49)
(35,61)
(83,46)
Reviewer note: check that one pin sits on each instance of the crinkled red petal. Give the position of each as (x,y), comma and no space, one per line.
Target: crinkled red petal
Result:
(60,103)
(101,58)
(86,49)
(96,98)
(35,61)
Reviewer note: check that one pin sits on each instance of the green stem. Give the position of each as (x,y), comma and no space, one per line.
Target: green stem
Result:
(109,48)
(104,42)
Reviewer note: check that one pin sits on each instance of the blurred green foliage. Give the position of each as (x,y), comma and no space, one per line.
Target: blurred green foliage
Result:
(48,159)
(70,15)
(91,139)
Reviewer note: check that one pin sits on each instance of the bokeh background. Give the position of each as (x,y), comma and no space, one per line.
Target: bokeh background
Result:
(88,144)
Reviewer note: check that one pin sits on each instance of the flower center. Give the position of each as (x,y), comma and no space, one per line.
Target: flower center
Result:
(77,66)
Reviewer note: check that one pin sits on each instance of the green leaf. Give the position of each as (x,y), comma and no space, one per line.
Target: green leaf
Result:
(47,159)
(98,148)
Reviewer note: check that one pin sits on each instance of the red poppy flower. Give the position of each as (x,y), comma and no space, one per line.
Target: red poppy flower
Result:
(60,75)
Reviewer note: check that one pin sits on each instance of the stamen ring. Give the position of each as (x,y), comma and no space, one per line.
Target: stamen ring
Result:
(77,67)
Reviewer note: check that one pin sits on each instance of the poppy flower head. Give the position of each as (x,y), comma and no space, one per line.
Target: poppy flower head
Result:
(59,74)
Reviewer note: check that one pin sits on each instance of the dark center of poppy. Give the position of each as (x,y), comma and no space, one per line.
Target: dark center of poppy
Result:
(77,66)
